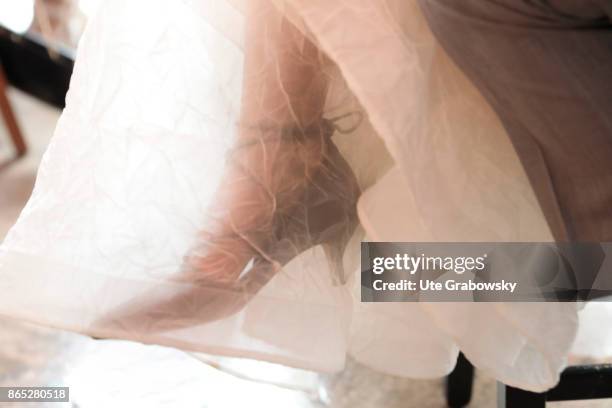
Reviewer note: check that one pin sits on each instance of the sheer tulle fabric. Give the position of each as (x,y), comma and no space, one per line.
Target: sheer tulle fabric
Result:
(168,210)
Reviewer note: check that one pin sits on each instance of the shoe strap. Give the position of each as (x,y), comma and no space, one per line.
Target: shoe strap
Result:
(293,133)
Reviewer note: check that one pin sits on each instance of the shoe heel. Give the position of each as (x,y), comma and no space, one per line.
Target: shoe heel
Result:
(334,254)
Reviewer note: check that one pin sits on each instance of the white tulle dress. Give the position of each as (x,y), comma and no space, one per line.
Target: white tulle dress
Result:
(126,186)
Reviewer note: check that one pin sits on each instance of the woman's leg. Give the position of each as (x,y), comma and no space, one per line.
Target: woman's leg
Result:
(546,69)
(284,87)
(281,193)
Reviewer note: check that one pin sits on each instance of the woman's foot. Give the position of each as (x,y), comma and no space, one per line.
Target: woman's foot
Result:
(285,190)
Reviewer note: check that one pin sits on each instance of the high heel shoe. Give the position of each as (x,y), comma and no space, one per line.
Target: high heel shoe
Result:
(228,269)
(326,214)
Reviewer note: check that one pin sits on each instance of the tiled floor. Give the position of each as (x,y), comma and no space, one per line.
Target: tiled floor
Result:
(123,374)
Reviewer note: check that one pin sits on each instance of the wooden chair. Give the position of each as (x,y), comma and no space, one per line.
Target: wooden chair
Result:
(9,118)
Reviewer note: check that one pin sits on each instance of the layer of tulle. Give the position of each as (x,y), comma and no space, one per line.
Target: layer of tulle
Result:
(124,187)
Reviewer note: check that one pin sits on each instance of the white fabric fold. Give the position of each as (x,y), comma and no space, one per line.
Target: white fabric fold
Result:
(125,184)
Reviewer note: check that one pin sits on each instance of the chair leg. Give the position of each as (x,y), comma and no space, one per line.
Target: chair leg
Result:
(9,118)
(583,382)
(510,397)
(459,383)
